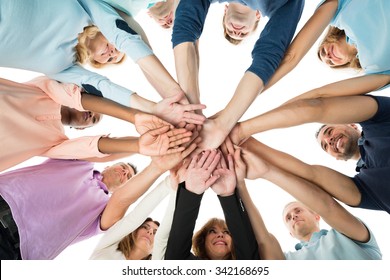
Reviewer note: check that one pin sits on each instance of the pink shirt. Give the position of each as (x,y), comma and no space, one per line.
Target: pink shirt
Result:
(54,204)
(30,122)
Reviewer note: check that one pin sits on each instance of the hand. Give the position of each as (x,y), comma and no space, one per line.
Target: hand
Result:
(162,141)
(171,110)
(177,174)
(256,166)
(170,161)
(145,122)
(236,135)
(239,165)
(226,182)
(240,168)
(198,175)
(212,135)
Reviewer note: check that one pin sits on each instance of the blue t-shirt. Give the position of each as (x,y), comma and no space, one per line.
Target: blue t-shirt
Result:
(373,178)
(272,43)
(366,24)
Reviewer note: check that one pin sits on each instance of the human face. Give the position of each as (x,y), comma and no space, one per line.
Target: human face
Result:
(82,119)
(300,221)
(102,51)
(336,53)
(218,242)
(240,20)
(340,141)
(163,13)
(144,238)
(116,175)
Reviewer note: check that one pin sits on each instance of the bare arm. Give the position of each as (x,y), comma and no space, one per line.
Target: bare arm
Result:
(187,69)
(215,130)
(354,86)
(159,141)
(159,77)
(322,110)
(336,184)
(123,197)
(318,200)
(304,40)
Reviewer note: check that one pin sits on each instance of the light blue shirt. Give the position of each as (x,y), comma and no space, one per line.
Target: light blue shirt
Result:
(367,25)
(332,245)
(40,36)
(132,7)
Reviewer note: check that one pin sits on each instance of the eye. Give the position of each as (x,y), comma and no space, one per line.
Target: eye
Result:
(110,59)
(212,231)
(226,232)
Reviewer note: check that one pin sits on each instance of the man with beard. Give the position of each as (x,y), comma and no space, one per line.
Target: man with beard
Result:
(340,138)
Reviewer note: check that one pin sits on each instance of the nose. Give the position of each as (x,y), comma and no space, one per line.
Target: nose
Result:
(236,32)
(329,140)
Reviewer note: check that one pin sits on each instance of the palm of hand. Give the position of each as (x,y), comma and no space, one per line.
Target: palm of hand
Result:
(171,112)
(153,145)
(146,122)
(196,178)
(226,183)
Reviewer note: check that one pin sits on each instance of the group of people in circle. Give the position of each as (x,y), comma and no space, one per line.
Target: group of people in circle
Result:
(47,207)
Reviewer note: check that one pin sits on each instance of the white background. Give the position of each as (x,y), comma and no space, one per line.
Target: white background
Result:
(221,67)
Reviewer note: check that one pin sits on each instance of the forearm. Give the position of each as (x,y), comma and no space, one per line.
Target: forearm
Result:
(187,70)
(158,76)
(107,107)
(320,202)
(126,195)
(139,103)
(304,40)
(336,184)
(354,86)
(322,110)
(183,224)
(269,247)
(107,145)
(240,227)
(246,92)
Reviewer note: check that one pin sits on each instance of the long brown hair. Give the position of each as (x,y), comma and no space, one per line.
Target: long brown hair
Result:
(199,238)
(128,242)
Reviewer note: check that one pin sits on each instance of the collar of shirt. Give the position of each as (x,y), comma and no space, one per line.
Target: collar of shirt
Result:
(98,177)
(314,237)
(153,3)
(361,164)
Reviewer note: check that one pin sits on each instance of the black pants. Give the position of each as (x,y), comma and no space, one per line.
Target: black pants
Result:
(9,236)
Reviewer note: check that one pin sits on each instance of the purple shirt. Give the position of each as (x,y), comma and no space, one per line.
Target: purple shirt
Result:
(54,204)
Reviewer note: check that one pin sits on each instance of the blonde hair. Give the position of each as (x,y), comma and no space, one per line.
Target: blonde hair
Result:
(332,36)
(82,51)
(128,242)
(198,240)
(230,39)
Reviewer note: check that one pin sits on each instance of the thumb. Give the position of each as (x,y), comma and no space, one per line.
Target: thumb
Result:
(160,130)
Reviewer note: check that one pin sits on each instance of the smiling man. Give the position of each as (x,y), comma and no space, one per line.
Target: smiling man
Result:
(340,138)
